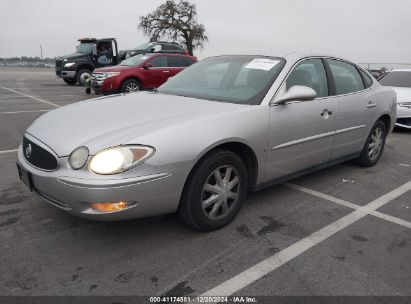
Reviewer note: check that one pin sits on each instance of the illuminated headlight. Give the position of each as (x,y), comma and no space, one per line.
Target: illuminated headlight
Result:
(69,64)
(78,158)
(118,159)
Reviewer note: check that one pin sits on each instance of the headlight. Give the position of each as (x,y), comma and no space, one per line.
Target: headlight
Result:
(69,64)
(111,74)
(118,159)
(78,158)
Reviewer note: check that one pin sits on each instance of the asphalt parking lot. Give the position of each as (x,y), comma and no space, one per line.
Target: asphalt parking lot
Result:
(345,230)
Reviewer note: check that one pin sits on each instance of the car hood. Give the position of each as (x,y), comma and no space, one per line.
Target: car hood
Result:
(109,121)
(74,56)
(403,94)
(117,68)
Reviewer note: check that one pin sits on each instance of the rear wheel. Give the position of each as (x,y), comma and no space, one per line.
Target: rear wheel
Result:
(82,75)
(374,145)
(215,191)
(70,81)
(130,86)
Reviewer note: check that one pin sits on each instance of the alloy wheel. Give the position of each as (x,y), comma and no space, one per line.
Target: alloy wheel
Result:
(132,87)
(221,192)
(375,143)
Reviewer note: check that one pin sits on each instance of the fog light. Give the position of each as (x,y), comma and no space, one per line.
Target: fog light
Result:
(111,207)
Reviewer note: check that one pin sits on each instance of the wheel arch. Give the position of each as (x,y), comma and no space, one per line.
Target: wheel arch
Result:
(386,119)
(85,67)
(244,151)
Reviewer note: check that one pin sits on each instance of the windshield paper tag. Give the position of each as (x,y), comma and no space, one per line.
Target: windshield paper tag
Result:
(262,64)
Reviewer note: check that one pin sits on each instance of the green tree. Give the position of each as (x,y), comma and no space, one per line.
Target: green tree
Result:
(177,21)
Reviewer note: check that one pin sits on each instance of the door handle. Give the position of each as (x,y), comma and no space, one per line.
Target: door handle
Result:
(166,71)
(326,113)
(370,105)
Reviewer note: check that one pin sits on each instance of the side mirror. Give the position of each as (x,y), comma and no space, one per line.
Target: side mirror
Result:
(147,66)
(297,93)
(157,48)
(94,49)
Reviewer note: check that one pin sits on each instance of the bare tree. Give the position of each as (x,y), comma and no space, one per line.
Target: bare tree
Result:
(177,21)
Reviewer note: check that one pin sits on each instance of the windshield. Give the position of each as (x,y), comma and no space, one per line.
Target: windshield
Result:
(235,79)
(397,79)
(143,46)
(135,60)
(85,48)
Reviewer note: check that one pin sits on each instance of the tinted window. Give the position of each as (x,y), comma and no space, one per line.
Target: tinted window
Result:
(159,61)
(175,61)
(189,61)
(346,77)
(167,47)
(309,73)
(397,79)
(367,79)
(236,79)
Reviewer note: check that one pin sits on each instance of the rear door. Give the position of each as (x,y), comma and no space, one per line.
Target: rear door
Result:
(175,64)
(356,108)
(158,73)
(302,133)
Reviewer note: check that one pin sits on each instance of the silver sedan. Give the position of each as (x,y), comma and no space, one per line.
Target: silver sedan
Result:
(223,127)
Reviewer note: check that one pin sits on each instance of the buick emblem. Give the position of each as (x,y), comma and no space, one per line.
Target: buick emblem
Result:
(28,151)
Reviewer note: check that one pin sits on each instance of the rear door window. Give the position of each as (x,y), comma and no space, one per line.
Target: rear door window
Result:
(367,79)
(176,62)
(346,77)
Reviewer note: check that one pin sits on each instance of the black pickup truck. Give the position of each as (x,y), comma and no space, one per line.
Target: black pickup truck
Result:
(91,53)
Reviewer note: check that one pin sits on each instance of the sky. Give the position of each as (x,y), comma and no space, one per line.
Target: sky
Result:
(360,30)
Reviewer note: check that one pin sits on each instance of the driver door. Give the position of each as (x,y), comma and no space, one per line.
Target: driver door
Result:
(104,55)
(302,133)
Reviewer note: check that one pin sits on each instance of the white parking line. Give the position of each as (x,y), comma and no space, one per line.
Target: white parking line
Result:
(322,195)
(8,151)
(261,269)
(392,219)
(348,204)
(17,112)
(32,97)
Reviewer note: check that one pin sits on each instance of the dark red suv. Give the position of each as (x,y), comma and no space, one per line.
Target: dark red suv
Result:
(140,72)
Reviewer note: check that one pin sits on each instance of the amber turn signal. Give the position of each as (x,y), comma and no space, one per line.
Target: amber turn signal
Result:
(109,207)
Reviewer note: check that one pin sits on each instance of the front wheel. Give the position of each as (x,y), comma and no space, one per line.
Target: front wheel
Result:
(374,145)
(82,75)
(215,191)
(130,86)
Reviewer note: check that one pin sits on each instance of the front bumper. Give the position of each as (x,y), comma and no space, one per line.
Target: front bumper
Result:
(104,85)
(403,117)
(153,194)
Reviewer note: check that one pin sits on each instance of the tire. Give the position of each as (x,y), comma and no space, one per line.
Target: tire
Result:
(131,86)
(80,74)
(70,81)
(201,188)
(374,146)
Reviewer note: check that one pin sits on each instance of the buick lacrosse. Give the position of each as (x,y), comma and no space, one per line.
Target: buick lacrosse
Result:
(223,127)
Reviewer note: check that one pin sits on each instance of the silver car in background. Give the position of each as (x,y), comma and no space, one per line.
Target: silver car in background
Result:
(224,126)
(400,81)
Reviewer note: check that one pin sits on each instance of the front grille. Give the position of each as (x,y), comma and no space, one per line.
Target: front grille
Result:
(38,157)
(59,63)
(98,76)
(404,121)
